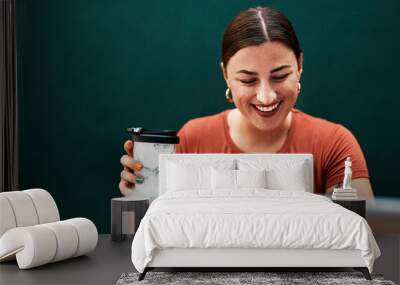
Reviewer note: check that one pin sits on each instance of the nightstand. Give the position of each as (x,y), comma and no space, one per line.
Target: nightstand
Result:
(126,214)
(357,206)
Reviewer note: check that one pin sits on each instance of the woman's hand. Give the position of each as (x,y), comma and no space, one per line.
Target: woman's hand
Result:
(129,175)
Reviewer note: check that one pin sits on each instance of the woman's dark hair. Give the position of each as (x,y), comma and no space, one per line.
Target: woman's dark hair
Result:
(256,26)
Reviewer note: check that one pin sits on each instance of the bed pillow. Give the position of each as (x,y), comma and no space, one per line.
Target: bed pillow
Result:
(236,179)
(186,176)
(223,179)
(281,174)
(294,179)
(251,178)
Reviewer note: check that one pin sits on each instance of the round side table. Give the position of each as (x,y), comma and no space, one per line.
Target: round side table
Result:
(126,214)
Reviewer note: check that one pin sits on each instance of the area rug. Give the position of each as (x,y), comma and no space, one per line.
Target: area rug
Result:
(230,278)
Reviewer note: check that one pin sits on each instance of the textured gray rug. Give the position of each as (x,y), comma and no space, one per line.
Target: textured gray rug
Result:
(230,278)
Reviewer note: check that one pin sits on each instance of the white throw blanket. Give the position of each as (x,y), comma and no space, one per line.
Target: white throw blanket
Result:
(251,218)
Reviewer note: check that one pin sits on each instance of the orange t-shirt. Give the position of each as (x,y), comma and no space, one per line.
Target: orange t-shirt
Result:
(329,143)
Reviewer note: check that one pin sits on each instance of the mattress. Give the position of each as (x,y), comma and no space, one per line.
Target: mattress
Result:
(250,218)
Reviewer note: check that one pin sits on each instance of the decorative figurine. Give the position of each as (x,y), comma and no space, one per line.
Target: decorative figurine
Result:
(347,175)
(346,192)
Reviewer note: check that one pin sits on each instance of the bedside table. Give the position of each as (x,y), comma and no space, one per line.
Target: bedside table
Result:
(357,206)
(126,214)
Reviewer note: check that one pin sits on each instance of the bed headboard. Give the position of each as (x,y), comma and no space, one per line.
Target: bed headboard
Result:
(241,158)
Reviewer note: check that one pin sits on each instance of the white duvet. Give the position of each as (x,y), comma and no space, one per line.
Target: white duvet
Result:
(251,218)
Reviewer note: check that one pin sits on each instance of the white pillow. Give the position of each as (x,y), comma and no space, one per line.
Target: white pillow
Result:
(281,174)
(223,179)
(290,179)
(237,179)
(182,175)
(251,178)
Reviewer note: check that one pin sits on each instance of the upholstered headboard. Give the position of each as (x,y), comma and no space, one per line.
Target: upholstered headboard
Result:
(280,163)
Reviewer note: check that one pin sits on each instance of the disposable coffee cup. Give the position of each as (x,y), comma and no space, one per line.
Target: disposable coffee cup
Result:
(148,145)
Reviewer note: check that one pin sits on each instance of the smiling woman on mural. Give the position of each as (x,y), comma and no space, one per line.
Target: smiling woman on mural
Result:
(262,64)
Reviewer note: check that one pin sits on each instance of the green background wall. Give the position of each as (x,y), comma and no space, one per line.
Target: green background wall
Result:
(89,69)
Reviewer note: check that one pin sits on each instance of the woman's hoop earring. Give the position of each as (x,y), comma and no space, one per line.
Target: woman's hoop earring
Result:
(299,87)
(228,95)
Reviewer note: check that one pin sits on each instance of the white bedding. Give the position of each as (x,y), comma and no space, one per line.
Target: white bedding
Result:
(250,218)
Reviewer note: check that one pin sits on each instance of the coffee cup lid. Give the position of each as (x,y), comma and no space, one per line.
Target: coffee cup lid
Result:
(154,136)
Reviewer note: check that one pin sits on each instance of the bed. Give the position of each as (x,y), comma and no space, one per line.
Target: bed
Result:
(247,211)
